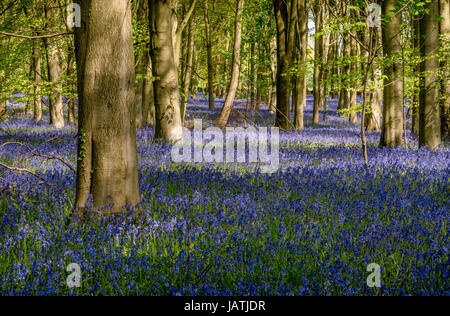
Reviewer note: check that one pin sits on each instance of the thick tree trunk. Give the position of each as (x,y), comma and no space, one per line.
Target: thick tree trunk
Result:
(429,115)
(167,98)
(209,58)
(286,14)
(392,128)
(222,120)
(107,155)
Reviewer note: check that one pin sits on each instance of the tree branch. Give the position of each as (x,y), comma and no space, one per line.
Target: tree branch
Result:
(35,36)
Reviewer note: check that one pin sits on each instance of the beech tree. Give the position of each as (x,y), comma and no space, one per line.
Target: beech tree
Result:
(107,155)
(286,15)
(165,71)
(429,105)
(392,127)
(222,120)
(55,71)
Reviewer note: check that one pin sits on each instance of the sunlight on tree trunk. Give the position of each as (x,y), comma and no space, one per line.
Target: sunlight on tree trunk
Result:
(222,120)
(107,155)
(392,127)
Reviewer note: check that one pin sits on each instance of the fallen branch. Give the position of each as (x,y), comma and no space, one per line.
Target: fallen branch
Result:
(37,154)
(22,170)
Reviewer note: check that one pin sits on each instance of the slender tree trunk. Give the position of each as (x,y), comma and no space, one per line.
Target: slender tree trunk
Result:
(353,116)
(392,128)
(210,58)
(273,70)
(188,72)
(302,53)
(2,106)
(445,66)
(167,98)
(318,52)
(141,61)
(148,99)
(252,75)
(54,75)
(429,115)
(344,100)
(107,155)
(416,96)
(37,101)
(70,72)
(222,120)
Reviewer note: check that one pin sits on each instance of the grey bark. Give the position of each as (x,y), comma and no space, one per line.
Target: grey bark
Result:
(107,155)
(392,127)
(222,120)
(429,107)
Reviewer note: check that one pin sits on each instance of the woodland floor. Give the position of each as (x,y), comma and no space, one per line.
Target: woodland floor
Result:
(226,229)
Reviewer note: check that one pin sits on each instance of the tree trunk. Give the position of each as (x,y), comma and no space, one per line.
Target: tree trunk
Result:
(302,53)
(141,61)
(273,71)
(286,13)
(167,98)
(416,96)
(392,128)
(107,156)
(188,71)
(353,116)
(37,101)
(2,106)
(70,72)
(210,58)
(148,100)
(445,66)
(54,75)
(222,120)
(429,115)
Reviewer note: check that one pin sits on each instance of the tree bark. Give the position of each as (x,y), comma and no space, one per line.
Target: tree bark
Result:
(107,156)
(445,66)
(167,98)
(416,96)
(37,101)
(429,115)
(70,72)
(54,75)
(209,58)
(2,106)
(188,71)
(273,71)
(286,14)
(392,127)
(222,120)
(302,53)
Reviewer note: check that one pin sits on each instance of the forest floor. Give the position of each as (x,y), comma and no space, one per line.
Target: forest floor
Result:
(311,228)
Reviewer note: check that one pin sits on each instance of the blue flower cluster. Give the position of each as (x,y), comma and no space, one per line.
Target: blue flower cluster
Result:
(223,229)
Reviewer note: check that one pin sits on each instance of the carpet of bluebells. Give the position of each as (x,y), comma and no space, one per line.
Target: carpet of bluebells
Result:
(311,228)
